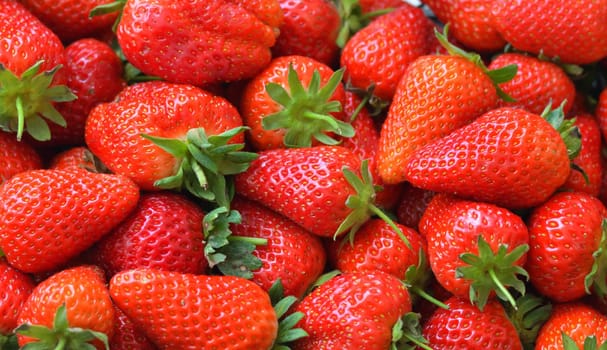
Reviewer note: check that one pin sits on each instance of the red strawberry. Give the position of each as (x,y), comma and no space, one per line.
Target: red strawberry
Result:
(576,321)
(509,157)
(164,231)
(601,112)
(50,216)
(564,234)
(16,287)
(464,326)
(575,32)
(291,254)
(77,298)
(293,102)
(380,53)
(70,19)
(211,311)
(475,249)
(353,311)
(78,156)
(309,29)
(224,40)
(16,156)
(30,74)
(412,204)
(127,336)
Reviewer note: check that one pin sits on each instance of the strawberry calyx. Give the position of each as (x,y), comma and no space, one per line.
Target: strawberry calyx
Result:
(531,313)
(26,102)
(287,332)
(590,343)
(353,19)
(61,336)
(362,204)
(596,279)
(305,114)
(407,333)
(493,272)
(417,278)
(8,342)
(103,9)
(570,133)
(498,76)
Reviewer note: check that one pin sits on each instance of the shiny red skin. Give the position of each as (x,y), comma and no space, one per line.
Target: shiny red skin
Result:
(470,23)
(210,312)
(72,157)
(564,232)
(474,330)
(255,103)
(377,246)
(113,129)
(572,31)
(16,287)
(164,232)
(368,6)
(84,292)
(353,311)
(452,226)
(381,52)
(537,83)
(292,254)
(48,216)
(224,40)
(577,320)
(437,95)
(309,29)
(306,185)
(127,336)
(601,112)
(16,156)
(69,19)
(509,157)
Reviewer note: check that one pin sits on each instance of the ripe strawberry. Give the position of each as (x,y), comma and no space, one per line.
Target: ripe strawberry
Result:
(49,216)
(575,32)
(470,22)
(16,156)
(30,74)
(291,254)
(70,19)
(589,158)
(475,249)
(601,112)
(78,156)
(294,102)
(437,94)
(127,336)
(353,311)
(380,53)
(164,231)
(16,287)
(224,40)
(464,326)
(509,157)
(94,74)
(211,311)
(309,29)
(412,204)
(537,83)
(574,320)
(564,234)
(77,298)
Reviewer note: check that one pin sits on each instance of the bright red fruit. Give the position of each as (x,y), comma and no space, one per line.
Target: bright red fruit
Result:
(16,156)
(127,336)
(15,287)
(576,320)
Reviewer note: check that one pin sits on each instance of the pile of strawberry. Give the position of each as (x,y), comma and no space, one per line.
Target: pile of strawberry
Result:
(303,174)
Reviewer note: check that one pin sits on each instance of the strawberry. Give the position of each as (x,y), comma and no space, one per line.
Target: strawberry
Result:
(356,310)
(475,249)
(78,156)
(16,156)
(70,19)
(601,112)
(31,78)
(224,40)
(127,336)
(564,234)
(94,74)
(291,254)
(464,326)
(48,216)
(537,83)
(16,288)
(574,32)
(380,53)
(412,204)
(309,28)
(211,312)
(164,231)
(437,94)
(589,158)
(71,307)
(293,102)
(572,322)
(507,156)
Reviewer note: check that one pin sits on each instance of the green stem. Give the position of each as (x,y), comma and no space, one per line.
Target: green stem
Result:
(318,116)
(422,293)
(375,210)
(254,240)
(20,117)
(418,343)
(502,288)
(61,344)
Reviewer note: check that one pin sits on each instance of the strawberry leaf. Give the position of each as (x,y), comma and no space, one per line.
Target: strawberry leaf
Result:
(596,279)
(417,278)
(286,322)
(9,342)
(528,317)
(407,333)
(353,19)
